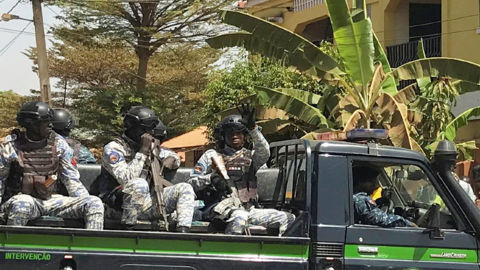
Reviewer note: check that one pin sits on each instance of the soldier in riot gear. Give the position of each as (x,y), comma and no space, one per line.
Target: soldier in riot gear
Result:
(63,123)
(160,131)
(231,195)
(33,165)
(123,183)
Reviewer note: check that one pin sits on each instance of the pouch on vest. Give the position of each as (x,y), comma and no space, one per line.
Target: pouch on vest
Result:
(242,178)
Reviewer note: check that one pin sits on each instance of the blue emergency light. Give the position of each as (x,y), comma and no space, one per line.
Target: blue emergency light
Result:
(367,134)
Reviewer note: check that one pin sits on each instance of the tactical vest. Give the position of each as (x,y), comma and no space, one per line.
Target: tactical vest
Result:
(242,176)
(35,170)
(75,145)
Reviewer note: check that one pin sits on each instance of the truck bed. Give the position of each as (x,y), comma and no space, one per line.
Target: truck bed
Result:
(54,248)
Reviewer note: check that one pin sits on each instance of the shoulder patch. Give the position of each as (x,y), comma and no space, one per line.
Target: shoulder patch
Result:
(114,157)
(199,168)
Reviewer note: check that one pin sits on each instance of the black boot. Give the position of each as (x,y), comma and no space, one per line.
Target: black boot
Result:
(183,229)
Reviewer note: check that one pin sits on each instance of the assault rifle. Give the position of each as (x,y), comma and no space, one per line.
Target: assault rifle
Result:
(156,170)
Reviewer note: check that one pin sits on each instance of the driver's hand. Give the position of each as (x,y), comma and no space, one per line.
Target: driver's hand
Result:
(414,225)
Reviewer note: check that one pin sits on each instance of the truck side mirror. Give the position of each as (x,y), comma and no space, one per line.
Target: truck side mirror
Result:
(433,222)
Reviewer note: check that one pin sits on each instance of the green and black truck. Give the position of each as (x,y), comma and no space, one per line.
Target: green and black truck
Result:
(313,180)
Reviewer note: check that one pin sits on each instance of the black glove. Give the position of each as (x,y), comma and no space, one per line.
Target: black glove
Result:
(248,115)
(220,183)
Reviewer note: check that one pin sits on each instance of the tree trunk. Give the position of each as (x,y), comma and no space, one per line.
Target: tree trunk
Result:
(143,57)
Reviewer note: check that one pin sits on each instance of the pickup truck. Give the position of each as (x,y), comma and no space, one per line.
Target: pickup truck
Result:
(313,180)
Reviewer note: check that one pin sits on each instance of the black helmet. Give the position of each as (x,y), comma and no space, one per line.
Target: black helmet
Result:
(62,120)
(231,122)
(34,112)
(160,131)
(140,116)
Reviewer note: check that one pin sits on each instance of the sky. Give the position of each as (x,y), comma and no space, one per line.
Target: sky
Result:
(15,68)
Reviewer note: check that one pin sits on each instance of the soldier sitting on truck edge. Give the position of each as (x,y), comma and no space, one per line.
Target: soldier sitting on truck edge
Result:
(234,201)
(365,182)
(123,184)
(63,123)
(31,163)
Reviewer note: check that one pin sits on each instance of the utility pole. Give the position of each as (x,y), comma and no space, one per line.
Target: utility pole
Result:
(45,92)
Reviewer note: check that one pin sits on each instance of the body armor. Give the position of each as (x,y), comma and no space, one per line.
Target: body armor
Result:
(35,171)
(242,176)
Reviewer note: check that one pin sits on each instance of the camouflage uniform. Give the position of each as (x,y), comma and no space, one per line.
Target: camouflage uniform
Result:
(367,212)
(21,208)
(137,201)
(81,153)
(240,217)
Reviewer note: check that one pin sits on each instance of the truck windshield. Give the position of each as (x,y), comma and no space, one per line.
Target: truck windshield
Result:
(412,184)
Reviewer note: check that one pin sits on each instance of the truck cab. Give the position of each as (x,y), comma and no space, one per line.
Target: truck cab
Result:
(428,195)
(313,180)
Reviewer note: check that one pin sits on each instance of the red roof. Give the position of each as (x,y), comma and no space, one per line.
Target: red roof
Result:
(194,138)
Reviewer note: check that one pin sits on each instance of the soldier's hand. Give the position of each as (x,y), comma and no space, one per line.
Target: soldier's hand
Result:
(220,183)
(414,225)
(248,115)
(147,141)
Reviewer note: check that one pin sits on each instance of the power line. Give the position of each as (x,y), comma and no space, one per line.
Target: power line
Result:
(5,49)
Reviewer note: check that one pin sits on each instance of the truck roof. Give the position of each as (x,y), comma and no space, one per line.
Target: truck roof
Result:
(370,149)
(364,149)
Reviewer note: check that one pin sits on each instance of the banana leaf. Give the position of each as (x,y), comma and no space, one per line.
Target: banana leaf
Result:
(465,87)
(266,48)
(293,106)
(422,82)
(389,86)
(270,126)
(398,128)
(439,67)
(274,35)
(354,42)
(461,120)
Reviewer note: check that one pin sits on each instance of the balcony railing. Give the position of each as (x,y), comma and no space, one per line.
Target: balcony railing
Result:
(406,52)
(299,5)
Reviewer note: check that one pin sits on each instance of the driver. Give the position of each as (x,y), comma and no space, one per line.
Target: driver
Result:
(366,211)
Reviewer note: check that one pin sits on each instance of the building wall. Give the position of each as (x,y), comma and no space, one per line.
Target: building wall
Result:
(459,29)
(390,19)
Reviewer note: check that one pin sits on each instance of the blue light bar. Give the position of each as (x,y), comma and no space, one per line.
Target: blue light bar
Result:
(367,133)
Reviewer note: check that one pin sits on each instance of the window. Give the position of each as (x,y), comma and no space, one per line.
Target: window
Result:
(406,190)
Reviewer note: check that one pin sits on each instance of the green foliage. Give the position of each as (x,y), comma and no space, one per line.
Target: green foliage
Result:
(10,103)
(101,86)
(144,26)
(228,87)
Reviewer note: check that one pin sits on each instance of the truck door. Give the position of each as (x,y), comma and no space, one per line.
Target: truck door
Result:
(413,190)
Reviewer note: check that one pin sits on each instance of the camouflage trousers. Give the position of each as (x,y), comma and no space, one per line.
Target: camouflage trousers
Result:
(269,218)
(137,202)
(22,208)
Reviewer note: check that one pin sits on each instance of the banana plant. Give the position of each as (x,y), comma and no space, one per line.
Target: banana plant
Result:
(366,93)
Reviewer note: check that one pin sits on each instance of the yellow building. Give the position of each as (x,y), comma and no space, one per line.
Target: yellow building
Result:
(449,28)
